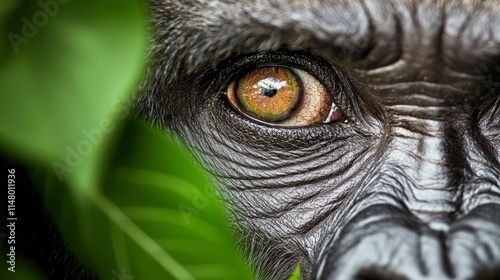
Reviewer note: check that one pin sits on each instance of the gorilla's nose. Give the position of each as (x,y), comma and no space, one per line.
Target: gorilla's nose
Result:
(384,242)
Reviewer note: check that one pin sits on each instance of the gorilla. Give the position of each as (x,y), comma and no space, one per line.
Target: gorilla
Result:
(359,138)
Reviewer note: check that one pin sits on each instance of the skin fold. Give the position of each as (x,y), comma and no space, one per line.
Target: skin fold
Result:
(406,188)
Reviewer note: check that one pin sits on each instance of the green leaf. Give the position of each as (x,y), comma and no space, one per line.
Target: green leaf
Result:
(6,8)
(64,64)
(20,271)
(296,274)
(154,217)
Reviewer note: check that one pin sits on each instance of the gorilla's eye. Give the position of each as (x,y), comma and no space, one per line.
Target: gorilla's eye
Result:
(283,96)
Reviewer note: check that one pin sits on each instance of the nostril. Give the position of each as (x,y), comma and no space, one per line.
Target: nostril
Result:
(378,274)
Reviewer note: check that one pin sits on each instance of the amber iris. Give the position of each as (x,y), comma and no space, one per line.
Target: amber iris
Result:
(269,93)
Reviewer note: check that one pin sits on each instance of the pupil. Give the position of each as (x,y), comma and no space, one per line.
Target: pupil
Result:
(269,91)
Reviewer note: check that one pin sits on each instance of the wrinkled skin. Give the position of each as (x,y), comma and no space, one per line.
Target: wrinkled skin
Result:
(408,188)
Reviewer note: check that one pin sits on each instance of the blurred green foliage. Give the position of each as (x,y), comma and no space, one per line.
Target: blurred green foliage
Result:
(24,271)
(64,65)
(153,214)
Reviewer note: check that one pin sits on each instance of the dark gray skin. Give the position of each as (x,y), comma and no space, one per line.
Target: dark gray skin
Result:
(408,188)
